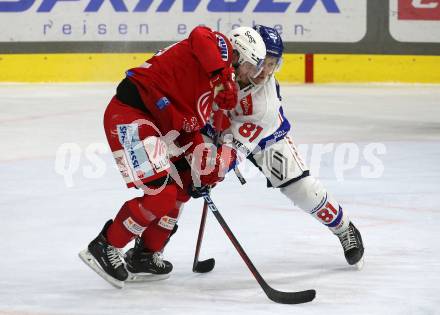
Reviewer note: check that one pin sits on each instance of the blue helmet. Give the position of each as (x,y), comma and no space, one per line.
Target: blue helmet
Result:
(272,40)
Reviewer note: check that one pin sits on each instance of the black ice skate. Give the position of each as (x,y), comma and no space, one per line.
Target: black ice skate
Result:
(144,265)
(351,242)
(105,259)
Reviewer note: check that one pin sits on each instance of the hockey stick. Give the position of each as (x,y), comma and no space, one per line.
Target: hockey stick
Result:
(239,176)
(275,295)
(208,264)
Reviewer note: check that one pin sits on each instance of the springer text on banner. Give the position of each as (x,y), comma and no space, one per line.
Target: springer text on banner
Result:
(166,20)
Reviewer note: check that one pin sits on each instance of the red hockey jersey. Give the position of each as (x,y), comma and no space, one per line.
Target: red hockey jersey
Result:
(175,84)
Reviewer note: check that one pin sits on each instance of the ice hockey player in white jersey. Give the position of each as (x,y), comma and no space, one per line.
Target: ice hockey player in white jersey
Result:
(260,132)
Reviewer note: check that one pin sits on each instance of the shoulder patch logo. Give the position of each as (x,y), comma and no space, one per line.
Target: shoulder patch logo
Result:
(162,103)
(223,47)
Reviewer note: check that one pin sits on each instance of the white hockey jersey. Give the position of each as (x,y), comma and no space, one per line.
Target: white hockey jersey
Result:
(258,120)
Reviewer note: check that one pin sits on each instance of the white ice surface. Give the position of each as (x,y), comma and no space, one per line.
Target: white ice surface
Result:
(44,223)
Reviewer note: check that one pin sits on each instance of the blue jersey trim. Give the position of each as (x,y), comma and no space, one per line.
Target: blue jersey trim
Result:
(337,220)
(279,134)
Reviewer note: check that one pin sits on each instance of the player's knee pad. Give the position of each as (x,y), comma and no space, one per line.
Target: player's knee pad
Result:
(306,193)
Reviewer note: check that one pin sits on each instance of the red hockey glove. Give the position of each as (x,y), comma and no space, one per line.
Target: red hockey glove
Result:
(213,167)
(197,192)
(190,141)
(222,75)
(227,97)
(208,164)
(221,120)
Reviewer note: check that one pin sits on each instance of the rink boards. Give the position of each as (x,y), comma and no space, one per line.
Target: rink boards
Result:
(297,68)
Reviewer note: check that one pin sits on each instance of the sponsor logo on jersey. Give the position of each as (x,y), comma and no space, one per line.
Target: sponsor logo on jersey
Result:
(133,226)
(246,105)
(140,174)
(123,167)
(136,155)
(191,125)
(241,147)
(134,159)
(223,48)
(279,134)
(127,133)
(204,106)
(162,103)
(167,223)
(122,134)
(157,151)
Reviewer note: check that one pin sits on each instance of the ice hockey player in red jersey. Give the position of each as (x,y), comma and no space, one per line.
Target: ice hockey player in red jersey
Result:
(153,127)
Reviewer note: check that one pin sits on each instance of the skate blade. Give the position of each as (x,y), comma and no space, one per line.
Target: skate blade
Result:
(90,261)
(360,264)
(145,277)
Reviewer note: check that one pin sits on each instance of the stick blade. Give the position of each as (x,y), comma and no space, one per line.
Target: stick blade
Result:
(204,266)
(290,297)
